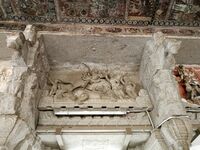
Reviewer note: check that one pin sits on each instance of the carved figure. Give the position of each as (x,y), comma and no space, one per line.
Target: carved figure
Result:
(117,88)
(129,87)
(191,83)
(62,89)
(16,41)
(30,34)
(172,47)
(94,82)
(177,139)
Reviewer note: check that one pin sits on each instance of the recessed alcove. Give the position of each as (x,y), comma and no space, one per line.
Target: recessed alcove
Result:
(94,71)
(102,66)
(100,119)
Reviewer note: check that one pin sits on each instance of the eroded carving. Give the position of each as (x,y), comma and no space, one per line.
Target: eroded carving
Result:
(16,42)
(95,83)
(189,83)
(177,133)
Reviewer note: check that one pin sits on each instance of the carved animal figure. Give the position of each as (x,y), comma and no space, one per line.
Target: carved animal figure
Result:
(129,87)
(61,89)
(99,83)
(117,88)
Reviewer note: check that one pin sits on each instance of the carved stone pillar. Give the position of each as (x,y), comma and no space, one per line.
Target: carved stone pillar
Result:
(22,77)
(168,114)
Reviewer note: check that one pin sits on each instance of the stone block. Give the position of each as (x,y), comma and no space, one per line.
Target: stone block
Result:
(7,123)
(18,134)
(3,148)
(5,75)
(165,97)
(177,133)
(155,142)
(158,54)
(9,104)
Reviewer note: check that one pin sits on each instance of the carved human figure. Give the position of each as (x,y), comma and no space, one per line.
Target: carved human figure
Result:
(95,83)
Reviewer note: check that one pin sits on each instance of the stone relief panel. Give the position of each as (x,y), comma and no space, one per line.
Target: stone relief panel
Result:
(94,84)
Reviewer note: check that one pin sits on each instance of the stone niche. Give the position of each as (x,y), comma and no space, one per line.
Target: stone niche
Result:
(103,72)
(94,71)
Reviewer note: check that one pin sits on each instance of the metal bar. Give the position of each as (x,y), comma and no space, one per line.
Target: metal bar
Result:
(88,112)
(95,111)
(150,120)
(193,110)
(172,117)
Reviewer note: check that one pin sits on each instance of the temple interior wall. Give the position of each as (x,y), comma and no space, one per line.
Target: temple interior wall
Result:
(64,52)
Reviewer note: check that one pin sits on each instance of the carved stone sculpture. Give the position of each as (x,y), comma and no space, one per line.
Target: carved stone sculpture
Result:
(19,90)
(189,83)
(16,41)
(95,82)
(177,133)
(168,114)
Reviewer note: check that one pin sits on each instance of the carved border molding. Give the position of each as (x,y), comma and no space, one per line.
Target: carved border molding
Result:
(97,12)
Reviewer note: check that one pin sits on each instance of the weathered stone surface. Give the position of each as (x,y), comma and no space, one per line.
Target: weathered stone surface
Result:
(3,148)
(152,59)
(157,78)
(16,42)
(172,47)
(158,54)
(20,91)
(5,75)
(165,97)
(9,104)
(19,133)
(30,142)
(155,142)
(30,34)
(7,123)
(142,98)
(30,75)
(177,133)
(28,107)
(16,85)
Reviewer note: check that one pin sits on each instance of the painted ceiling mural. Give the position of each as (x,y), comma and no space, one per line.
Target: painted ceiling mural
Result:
(129,12)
